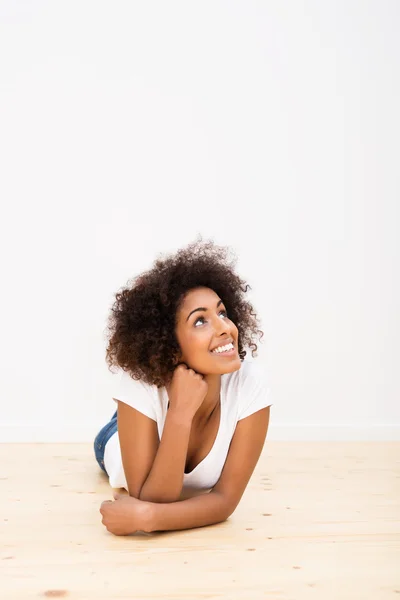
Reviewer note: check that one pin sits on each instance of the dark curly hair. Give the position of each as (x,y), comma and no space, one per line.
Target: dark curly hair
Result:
(142,322)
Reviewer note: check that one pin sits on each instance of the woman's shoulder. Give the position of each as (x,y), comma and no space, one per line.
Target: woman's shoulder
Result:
(249,388)
(249,372)
(126,380)
(129,387)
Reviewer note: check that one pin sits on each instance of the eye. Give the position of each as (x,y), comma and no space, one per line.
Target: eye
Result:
(202,318)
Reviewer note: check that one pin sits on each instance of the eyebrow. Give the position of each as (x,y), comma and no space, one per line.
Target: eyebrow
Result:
(202,308)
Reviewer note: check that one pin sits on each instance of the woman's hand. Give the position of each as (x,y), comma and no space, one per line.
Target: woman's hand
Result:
(186,391)
(126,514)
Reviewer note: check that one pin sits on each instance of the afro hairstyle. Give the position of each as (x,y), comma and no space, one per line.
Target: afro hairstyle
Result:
(142,322)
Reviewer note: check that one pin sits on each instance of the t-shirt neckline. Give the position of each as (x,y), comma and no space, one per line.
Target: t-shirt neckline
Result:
(219,432)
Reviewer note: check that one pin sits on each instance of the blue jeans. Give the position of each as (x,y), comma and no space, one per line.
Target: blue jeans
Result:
(102,438)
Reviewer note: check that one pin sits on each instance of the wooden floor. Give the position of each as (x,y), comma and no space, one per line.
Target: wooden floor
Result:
(318,520)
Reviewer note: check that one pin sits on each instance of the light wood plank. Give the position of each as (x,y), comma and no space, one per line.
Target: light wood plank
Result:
(318,520)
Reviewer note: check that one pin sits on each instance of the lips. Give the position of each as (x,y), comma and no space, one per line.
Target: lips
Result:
(225,353)
(230,341)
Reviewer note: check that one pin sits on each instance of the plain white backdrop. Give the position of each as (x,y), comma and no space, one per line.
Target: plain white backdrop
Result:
(272,127)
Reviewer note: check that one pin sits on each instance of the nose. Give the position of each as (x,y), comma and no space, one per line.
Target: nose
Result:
(221,326)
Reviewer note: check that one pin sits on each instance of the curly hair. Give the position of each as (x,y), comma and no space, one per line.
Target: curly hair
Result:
(142,322)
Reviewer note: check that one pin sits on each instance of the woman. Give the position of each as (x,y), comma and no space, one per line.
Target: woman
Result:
(192,415)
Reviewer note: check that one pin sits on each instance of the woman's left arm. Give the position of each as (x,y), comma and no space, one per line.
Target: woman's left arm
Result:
(206,509)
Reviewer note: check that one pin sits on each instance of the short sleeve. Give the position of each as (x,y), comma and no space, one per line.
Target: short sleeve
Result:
(255,392)
(137,394)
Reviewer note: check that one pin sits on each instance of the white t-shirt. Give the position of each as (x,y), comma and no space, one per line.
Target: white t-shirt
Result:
(243,392)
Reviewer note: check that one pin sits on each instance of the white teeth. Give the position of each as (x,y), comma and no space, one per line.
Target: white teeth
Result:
(223,348)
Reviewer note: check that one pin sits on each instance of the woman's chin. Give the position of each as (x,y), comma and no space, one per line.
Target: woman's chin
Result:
(230,366)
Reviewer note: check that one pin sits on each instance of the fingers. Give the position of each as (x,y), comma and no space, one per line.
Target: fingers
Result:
(102,505)
(116,495)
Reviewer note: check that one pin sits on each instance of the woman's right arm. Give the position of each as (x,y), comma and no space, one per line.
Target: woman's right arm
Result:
(153,468)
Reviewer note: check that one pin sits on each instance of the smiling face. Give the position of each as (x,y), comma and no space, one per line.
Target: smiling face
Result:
(203,325)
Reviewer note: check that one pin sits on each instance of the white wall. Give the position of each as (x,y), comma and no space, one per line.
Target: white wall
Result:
(272,127)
